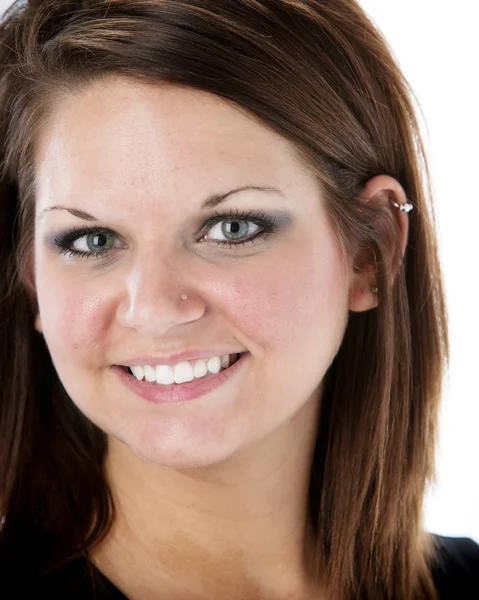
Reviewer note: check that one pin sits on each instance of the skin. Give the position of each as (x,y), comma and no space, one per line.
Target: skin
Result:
(211,495)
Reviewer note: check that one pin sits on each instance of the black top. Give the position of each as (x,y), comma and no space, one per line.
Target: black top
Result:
(456,577)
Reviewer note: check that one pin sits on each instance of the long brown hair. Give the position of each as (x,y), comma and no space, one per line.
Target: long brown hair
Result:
(320,74)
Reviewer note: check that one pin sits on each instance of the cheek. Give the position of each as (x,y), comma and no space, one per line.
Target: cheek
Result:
(297,302)
(292,312)
(73,322)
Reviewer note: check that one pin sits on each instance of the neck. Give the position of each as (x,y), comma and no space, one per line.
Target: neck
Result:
(239,525)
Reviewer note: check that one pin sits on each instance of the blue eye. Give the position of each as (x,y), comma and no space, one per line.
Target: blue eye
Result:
(235,233)
(98,242)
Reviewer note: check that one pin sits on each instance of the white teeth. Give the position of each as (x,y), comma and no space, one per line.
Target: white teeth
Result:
(214,364)
(200,368)
(165,375)
(150,374)
(184,371)
(225,360)
(138,372)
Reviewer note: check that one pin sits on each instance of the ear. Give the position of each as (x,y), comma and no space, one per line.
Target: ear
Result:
(382,191)
(38,324)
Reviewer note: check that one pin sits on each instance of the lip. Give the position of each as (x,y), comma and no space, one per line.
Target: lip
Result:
(177,392)
(173,359)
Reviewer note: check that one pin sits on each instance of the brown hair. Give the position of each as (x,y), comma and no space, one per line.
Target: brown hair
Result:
(321,74)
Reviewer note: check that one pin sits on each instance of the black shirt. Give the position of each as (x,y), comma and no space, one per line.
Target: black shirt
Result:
(456,577)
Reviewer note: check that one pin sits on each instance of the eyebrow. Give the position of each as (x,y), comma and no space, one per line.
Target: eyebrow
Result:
(210,202)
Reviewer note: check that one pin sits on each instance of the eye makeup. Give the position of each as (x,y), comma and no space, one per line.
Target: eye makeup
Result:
(268,225)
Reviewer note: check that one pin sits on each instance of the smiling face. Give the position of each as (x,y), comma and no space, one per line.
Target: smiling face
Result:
(141,160)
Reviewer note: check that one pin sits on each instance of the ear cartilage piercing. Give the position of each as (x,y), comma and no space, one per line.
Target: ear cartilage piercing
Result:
(404,207)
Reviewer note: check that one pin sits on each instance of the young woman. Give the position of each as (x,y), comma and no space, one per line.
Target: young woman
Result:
(222,321)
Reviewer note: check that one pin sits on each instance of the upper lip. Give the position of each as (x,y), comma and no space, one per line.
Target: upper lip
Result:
(173,359)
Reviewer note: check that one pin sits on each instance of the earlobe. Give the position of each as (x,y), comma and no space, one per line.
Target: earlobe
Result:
(38,324)
(362,297)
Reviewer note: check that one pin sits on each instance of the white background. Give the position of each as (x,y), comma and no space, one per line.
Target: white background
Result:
(436,44)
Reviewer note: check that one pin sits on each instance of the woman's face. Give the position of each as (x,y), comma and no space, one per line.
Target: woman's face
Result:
(141,160)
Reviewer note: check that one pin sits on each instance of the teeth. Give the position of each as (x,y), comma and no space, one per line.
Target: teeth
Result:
(200,368)
(150,374)
(138,372)
(214,364)
(184,371)
(165,375)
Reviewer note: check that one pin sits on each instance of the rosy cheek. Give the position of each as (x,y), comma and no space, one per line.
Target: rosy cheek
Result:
(279,305)
(74,321)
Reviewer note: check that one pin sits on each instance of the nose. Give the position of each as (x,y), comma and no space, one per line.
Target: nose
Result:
(151,300)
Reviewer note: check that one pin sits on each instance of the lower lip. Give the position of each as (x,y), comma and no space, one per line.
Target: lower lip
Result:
(177,392)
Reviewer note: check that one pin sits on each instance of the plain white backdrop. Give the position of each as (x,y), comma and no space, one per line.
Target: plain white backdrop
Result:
(437,47)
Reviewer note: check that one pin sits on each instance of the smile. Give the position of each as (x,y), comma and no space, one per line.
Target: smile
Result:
(180,392)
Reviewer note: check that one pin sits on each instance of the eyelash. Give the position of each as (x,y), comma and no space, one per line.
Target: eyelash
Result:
(267,223)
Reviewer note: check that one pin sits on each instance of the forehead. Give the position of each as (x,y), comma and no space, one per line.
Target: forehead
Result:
(121,128)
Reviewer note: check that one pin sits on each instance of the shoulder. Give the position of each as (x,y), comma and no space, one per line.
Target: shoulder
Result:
(456,568)
(77,579)
(455,573)
(20,579)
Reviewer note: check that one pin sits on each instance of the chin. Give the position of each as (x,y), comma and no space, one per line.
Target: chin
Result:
(173,449)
